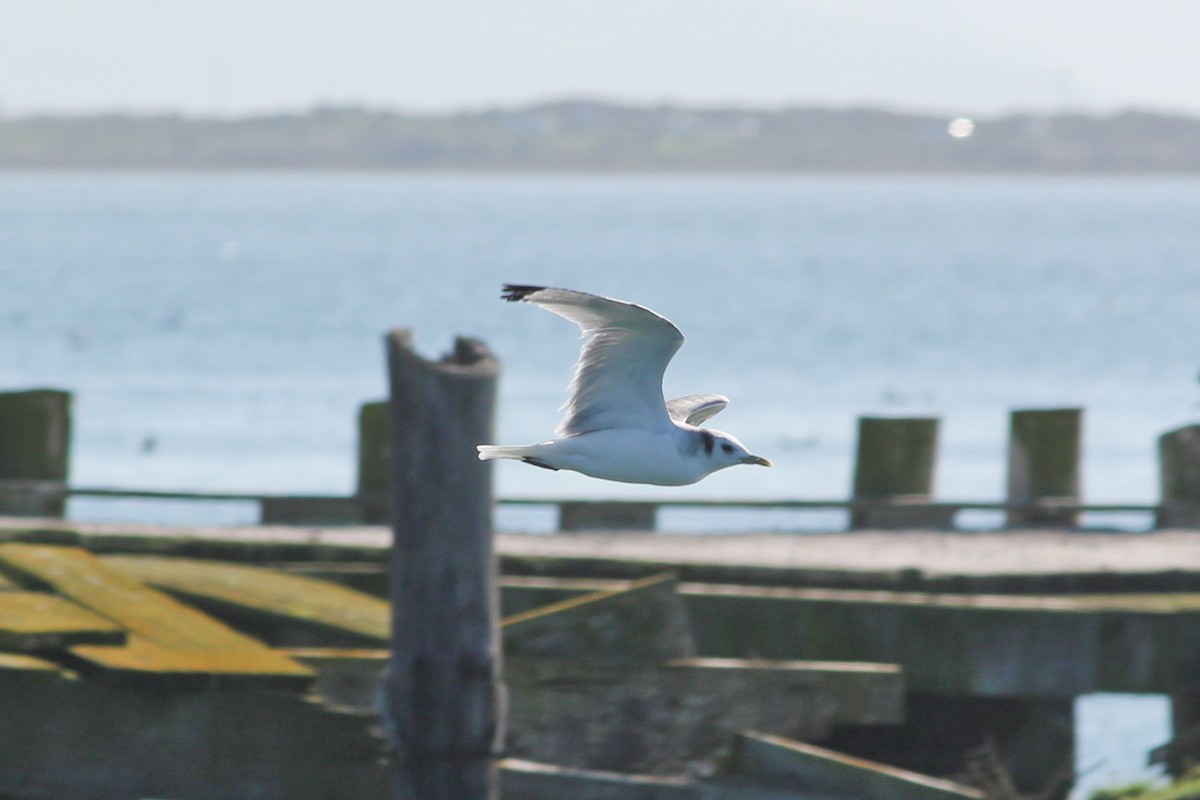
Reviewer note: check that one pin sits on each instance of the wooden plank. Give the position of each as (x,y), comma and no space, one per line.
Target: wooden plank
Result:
(20,663)
(166,639)
(817,770)
(983,645)
(264,596)
(32,621)
(645,621)
(532,780)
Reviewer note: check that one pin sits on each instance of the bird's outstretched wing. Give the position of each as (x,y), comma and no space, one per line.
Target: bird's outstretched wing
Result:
(693,409)
(618,377)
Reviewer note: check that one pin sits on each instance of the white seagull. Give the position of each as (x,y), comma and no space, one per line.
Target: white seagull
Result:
(617,426)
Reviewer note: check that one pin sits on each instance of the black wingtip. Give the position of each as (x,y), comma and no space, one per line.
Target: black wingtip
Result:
(513,292)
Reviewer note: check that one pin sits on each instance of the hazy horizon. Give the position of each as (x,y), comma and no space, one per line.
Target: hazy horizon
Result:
(517,106)
(222,58)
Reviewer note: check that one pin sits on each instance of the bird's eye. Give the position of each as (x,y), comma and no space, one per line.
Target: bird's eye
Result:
(728,448)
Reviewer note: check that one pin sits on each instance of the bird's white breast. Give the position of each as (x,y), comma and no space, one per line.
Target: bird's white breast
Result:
(631,455)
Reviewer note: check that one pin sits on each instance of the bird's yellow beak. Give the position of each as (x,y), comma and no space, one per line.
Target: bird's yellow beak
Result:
(756,460)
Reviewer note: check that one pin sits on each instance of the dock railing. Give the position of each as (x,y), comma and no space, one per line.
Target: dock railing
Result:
(892,485)
(573,514)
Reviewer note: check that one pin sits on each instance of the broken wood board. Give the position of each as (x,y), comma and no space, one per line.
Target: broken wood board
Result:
(641,620)
(644,621)
(673,716)
(522,593)
(280,608)
(167,641)
(32,621)
(795,765)
(20,663)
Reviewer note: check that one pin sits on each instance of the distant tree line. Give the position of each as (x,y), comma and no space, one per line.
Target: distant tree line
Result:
(594,136)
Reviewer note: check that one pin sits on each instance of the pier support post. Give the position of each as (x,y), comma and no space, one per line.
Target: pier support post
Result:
(1179,465)
(1044,466)
(444,696)
(35,445)
(372,490)
(893,474)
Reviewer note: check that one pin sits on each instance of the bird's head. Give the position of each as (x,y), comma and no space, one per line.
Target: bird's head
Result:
(725,451)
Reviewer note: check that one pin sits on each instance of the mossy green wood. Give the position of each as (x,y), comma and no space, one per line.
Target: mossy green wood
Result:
(166,639)
(264,593)
(36,428)
(373,455)
(32,621)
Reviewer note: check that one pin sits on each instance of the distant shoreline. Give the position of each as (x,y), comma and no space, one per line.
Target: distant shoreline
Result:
(592,137)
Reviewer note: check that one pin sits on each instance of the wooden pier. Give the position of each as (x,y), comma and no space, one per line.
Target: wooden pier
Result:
(628,649)
(994,634)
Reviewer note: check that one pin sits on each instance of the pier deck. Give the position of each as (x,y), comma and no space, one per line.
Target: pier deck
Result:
(994,633)
(1009,561)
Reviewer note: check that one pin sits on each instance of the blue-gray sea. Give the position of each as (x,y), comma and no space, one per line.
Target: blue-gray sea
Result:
(219,331)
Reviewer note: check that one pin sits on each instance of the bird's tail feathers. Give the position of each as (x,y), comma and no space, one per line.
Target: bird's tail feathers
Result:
(489,451)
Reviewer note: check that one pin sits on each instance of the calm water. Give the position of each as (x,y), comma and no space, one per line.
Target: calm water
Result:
(219,332)
(236,320)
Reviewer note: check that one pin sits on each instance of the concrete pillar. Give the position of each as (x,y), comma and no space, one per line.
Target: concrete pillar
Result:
(372,488)
(1044,465)
(1179,464)
(35,445)
(583,516)
(893,474)
(444,701)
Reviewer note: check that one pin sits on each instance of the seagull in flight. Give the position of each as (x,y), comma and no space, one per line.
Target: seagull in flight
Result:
(617,426)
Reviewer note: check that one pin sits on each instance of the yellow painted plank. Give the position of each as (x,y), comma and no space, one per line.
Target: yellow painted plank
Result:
(167,639)
(19,662)
(263,591)
(42,621)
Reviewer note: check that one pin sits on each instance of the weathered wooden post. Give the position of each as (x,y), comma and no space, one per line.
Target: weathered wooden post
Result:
(1179,471)
(1044,466)
(444,696)
(893,474)
(372,491)
(35,448)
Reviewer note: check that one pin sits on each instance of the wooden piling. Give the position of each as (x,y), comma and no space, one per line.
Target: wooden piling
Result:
(1179,465)
(35,442)
(893,474)
(444,696)
(372,491)
(1044,466)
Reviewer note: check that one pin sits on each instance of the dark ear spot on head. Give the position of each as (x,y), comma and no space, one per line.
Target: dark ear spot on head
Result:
(708,441)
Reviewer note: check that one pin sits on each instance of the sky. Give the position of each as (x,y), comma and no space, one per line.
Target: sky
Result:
(238,57)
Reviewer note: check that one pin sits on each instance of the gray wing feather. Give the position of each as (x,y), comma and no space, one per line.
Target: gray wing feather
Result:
(618,376)
(693,409)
